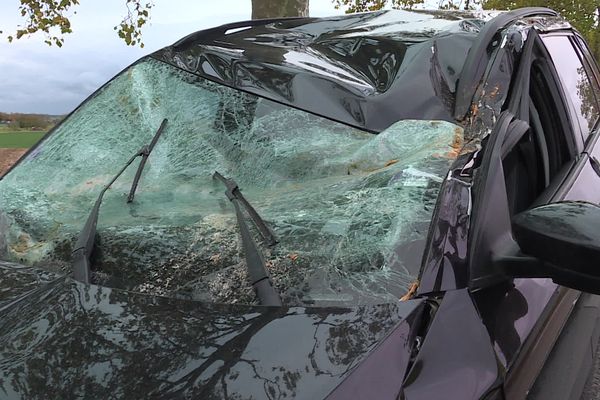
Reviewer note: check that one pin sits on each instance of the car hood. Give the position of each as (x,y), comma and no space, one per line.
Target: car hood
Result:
(60,338)
(366,70)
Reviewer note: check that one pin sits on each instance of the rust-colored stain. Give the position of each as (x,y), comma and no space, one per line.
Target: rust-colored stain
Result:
(457,143)
(494,91)
(411,291)
(356,168)
(474,110)
(293,256)
(24,244)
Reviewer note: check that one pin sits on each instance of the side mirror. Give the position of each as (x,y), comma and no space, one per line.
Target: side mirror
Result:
(566,238)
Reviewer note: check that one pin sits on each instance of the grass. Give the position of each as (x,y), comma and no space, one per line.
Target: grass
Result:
(19,139)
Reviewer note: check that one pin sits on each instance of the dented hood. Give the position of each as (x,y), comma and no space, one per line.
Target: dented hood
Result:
(367,70)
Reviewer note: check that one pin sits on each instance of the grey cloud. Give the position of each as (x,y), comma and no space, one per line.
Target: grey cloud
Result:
(37,78)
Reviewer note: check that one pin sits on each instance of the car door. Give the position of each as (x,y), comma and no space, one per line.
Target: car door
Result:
(534,156)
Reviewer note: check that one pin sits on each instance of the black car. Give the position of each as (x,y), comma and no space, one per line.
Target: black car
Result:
(388,205)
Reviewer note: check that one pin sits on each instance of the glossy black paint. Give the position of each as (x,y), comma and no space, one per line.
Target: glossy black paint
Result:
(366,70)
(385,366)
(510,311)
(66,339)
(445,266)
(564,234)
(453,363)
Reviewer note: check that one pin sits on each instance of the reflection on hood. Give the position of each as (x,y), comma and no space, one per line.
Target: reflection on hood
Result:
(63,339)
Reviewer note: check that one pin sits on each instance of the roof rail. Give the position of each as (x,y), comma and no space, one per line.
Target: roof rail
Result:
(478,58)
(222,30)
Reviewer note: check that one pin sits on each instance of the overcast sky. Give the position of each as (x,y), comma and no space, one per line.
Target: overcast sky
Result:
(36,78)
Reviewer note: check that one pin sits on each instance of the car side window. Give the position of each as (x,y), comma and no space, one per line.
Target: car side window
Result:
(575,75)
(538,160)
(591,68)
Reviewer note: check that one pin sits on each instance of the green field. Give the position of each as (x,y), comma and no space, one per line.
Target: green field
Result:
(19,139)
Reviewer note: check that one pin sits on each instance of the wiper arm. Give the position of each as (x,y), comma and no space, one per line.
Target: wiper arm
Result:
(255,263)
(85,241)
(234,191)
(146,152)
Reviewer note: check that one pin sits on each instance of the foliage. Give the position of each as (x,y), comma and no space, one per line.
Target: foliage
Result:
(279,8)
(583,14)
(38,121)
(51,17)
(352,6)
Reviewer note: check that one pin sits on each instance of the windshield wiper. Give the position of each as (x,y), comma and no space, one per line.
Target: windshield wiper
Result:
(233,191)
(255,263)
(146,150)
(85,241)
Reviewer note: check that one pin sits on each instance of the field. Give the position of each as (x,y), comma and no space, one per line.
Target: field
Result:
(13,144)
(19,139)
(8,158)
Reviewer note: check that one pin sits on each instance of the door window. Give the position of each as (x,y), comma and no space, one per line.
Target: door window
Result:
(542,155)
(576,83)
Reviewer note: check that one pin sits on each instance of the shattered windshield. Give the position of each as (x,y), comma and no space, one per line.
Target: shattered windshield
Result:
(350,208)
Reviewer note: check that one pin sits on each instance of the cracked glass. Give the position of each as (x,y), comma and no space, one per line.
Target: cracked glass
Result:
(350,208)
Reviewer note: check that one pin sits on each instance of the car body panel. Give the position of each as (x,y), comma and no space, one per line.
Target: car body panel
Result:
(66,339)
(453,363)
(510,312)
(385,366)
(445,266)
(353,68)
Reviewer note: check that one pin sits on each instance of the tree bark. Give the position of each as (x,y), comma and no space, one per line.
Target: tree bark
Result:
(594,36)
(279,8)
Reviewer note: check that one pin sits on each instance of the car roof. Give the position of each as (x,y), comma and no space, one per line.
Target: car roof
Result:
(366,70)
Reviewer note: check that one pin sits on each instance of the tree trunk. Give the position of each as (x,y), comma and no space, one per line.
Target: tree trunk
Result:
(596,36)
(279,8)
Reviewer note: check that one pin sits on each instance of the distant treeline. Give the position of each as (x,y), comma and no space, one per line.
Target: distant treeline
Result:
(29,121)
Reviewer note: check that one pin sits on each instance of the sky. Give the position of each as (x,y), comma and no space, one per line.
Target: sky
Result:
(37,78)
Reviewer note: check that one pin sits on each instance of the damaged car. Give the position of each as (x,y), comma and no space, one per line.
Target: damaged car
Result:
(387,205)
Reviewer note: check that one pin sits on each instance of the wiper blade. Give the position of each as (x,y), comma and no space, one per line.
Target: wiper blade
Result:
(234,191)
(146,152)
(85,241)
(255,263)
